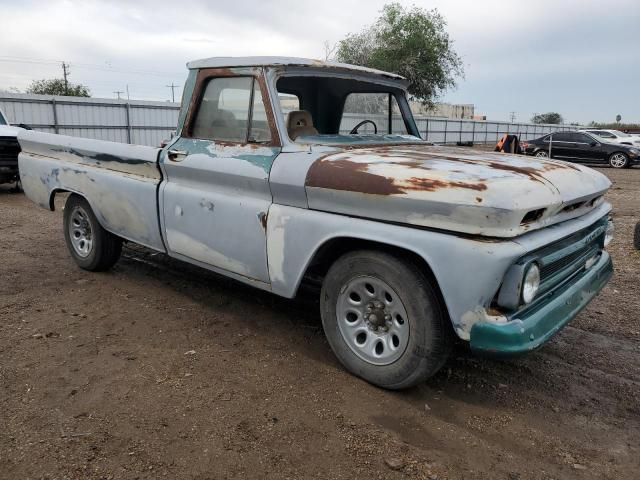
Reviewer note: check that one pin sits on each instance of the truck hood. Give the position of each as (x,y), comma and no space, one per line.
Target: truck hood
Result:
(9,131)
(466,191)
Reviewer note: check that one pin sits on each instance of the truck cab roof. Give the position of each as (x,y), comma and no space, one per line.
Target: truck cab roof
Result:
(270,61)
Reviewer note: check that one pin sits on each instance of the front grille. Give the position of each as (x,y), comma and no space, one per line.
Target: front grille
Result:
(560,263)
(564,258)
(564,262)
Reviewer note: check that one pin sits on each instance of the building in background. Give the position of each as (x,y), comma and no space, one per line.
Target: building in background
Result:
(444,110)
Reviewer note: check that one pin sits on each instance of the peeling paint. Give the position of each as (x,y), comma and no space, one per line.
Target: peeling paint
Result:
(180,242)
(479,315)
(257,155)
(448,189)
(263,218)
(276,248)
(122,196)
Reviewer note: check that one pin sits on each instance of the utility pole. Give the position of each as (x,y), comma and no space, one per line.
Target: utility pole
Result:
(65,74)
(118,92)
(512,115)
(173,88)
(128,97)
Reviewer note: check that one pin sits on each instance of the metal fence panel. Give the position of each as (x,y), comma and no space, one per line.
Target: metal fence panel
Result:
(148,123)
(135,121)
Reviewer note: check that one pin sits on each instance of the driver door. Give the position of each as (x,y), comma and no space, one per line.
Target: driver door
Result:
(216,194)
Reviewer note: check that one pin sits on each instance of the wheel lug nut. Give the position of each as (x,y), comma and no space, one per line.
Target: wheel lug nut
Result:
(387,317)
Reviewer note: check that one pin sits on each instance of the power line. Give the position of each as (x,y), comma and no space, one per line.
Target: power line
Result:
(10,59)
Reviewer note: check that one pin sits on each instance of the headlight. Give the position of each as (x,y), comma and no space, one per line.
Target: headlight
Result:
(608,236)
(530,283)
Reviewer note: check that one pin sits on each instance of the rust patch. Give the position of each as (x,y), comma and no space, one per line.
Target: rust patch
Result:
(349,176)
(262,218)
(431,185)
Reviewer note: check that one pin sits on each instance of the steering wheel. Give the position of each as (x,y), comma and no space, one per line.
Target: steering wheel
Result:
(355,129)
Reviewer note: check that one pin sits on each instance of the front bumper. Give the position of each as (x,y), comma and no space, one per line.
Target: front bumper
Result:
(529,332)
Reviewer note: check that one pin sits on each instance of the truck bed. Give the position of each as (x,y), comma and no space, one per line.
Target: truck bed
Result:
(119,181)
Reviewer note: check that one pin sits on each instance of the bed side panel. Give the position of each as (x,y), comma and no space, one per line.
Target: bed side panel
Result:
(119,181)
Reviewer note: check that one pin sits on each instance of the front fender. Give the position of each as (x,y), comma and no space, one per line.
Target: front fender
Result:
(468,271)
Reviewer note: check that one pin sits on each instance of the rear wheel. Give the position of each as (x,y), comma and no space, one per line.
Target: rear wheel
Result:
(619,160)
(383,319)
(91,246)
(541,154)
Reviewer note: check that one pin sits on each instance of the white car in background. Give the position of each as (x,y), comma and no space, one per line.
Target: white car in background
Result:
(614,136)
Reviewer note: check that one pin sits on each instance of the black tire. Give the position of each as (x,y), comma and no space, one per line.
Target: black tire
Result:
(429,339)
(636,237)
(105,247)
(618,164)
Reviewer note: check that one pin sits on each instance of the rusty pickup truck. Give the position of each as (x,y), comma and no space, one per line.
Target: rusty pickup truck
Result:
(288,169)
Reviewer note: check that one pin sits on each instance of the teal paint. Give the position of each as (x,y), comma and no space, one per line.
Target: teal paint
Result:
(259,155)
(357,139)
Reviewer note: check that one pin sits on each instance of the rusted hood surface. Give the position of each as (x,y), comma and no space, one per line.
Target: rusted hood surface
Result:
(449,188)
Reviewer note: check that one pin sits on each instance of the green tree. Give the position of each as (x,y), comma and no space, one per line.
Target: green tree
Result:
(411,42)
(549,117)
(56,86)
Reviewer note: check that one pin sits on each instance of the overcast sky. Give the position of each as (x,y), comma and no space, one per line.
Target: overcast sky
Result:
(578,57)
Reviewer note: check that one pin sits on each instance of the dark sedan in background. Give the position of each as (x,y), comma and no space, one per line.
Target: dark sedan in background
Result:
(582,147)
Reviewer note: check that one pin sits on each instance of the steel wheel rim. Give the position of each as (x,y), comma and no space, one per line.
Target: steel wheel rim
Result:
(542,154)
(80,232)
(618,160)
(372,320)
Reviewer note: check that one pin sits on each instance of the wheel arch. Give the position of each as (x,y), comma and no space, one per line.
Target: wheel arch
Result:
(331,249)
(57,190)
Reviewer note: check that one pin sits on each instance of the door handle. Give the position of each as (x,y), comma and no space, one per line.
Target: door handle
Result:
(177,155)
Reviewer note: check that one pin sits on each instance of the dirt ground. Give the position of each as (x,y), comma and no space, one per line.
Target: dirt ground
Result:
(160,370)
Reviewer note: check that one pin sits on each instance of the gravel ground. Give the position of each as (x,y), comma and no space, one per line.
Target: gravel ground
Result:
(161,370)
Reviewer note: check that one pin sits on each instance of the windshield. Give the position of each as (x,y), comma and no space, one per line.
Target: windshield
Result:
(327,109)
(3,121)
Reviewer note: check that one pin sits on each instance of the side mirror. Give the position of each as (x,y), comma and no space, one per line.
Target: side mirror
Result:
(25,126)
(594,144)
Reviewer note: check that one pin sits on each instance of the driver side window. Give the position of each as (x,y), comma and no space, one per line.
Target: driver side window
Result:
(375,108)
(231,110)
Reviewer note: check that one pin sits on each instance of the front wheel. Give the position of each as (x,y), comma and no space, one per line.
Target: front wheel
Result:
(541,154)
(91,246)
(383,319)
(619,160)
